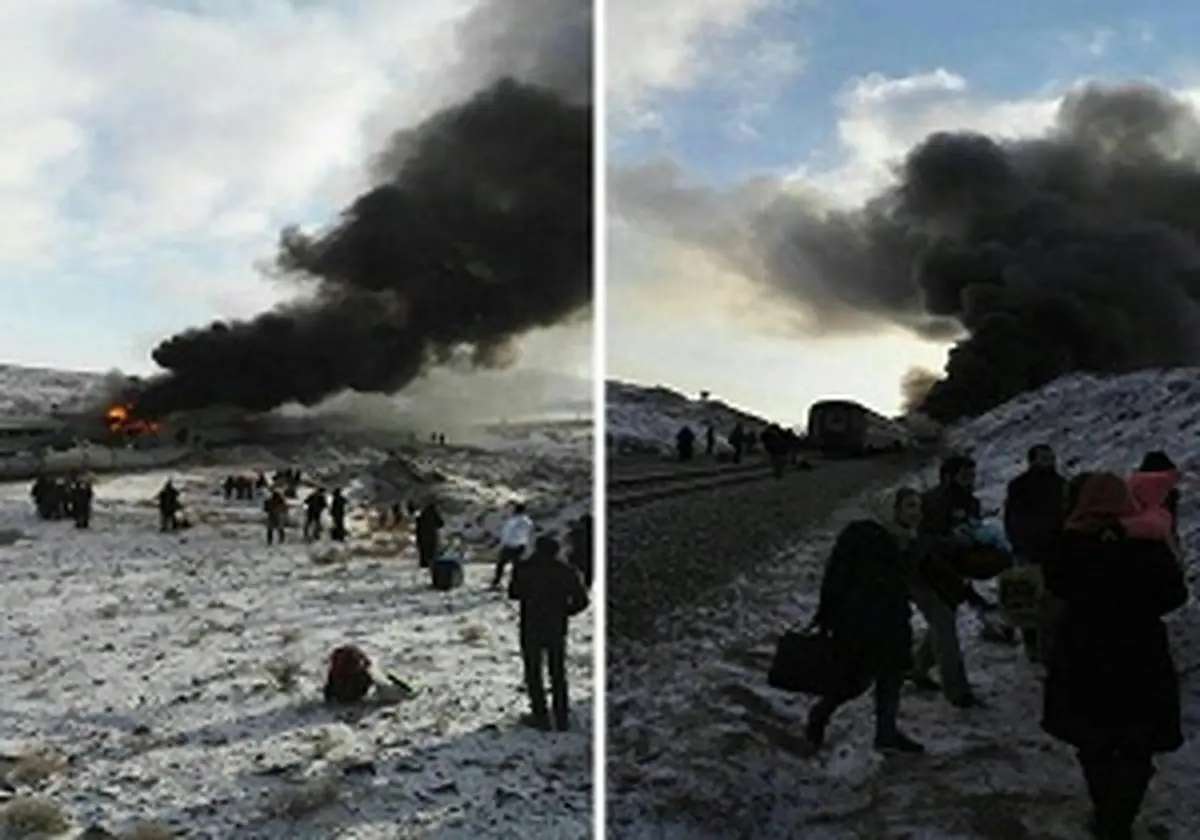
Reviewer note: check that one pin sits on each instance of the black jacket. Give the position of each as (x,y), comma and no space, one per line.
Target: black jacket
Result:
(942,509)
(1033,513)
(550,592)
(1111,682)
(864,599)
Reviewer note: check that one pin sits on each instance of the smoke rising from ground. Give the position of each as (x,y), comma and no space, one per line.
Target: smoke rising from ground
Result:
(1073,251)
(477,231)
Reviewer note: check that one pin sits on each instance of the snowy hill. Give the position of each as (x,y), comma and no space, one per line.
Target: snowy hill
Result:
(641,418)
(173,679)
(693,727)
(26,391)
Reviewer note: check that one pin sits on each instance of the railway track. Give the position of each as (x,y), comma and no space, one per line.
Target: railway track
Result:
(631,491)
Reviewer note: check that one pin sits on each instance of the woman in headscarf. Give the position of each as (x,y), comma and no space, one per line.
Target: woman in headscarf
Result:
(1111,688)
(864,608)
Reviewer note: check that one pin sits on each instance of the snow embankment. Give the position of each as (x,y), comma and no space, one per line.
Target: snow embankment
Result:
(695,730)
(173,680)
(641,419)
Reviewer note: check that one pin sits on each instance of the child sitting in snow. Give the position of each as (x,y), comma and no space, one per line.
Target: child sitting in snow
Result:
(1152,521)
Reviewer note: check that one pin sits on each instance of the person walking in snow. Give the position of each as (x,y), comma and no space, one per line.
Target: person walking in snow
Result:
(737,439)
(1112,690)
(550,593)
(168,507)
(864,608)
(516,535)
(939,590)
(276,508)
(428,530)
(1034,508)
(710,441)
(314,508)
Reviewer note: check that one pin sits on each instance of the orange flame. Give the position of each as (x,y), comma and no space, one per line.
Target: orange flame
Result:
(119,420)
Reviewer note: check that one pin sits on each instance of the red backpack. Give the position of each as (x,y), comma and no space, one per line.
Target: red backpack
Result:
(349,677)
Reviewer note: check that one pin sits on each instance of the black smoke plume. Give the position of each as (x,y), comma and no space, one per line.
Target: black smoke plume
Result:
(1073,251)
(478,230)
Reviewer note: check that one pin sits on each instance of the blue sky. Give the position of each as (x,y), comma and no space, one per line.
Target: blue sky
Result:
(834,112)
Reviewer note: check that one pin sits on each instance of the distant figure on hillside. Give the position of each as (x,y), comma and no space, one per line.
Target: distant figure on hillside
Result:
(168,507)
(516,536)
(229,486)
(276,507)
(710,441)
(337,515)
(1033,518)
(685,444)
(580,541)
(550,593)
(314,507)
(737,439)
(428,533)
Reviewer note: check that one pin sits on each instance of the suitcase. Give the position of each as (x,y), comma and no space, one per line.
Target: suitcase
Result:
(806,662)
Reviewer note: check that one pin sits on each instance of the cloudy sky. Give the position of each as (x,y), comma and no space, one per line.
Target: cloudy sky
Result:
(154,148)
(735,96)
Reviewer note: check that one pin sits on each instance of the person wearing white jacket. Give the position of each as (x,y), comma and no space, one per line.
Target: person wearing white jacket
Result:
(516,537)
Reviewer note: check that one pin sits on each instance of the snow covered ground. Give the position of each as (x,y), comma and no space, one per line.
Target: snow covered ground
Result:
(694,729)
(174,679)
(645,419)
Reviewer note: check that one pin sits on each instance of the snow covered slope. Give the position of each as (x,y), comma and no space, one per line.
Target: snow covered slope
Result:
(26,391)
(693,727)
(646,419)
(172,679)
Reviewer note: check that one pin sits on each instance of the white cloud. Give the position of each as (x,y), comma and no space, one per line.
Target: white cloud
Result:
(656,48)
(132,127)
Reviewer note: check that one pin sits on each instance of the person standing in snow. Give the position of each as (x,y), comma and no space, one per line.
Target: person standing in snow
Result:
(516,535)
(1112,690)
(580,540)
(168,507)
(864,608)
(337,515)
(710,441)
(81,502)
(939,590)
(550,592)
(314,507)
(737,439)
(276,509)
(1033,518)
(685,444)
(428,533)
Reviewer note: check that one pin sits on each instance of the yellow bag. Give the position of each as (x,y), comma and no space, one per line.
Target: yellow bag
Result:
(1020,590)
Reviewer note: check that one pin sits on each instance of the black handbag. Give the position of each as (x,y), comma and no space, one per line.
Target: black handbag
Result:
(806,662)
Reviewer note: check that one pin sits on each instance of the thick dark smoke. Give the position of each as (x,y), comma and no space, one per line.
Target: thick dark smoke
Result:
(1074,251)
(479,229)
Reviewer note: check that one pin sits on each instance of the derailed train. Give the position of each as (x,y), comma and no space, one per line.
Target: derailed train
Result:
(844,427)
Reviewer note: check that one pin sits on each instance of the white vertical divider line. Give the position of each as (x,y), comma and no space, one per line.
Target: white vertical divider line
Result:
(599,459)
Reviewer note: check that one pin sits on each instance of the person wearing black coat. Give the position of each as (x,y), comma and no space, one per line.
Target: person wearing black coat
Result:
(1111,686)
(864,609)
(1033,515)
(428,531)
(550,593)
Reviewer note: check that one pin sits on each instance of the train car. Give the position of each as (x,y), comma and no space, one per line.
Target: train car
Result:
(28,435)
(843,427)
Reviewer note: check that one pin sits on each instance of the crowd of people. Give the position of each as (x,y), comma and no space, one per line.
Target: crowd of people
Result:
(1105,549)
(67,498)
(779,444)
